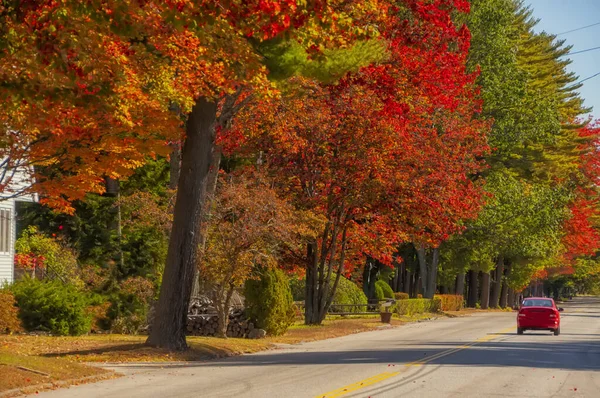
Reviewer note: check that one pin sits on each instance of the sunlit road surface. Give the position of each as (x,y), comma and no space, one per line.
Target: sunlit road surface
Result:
(475,356)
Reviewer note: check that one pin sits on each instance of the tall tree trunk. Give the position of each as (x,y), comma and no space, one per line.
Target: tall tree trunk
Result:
(433,271)
(511,298)
(369,278)
(497,286)
(396,280)
(422,257)
(428,270)
(504,291)
(311,285)
(473,293)
(408,283)
(485,290)
(168,329)
(405,277)
(319,290)
(460,284)
(327,296)
(224,302)
(444,289)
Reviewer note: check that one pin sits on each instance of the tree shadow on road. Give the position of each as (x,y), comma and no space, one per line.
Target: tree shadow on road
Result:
(578,355)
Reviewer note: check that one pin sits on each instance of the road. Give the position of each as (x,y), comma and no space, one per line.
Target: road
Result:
(474,356)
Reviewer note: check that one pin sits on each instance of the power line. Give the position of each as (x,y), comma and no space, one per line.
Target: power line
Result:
(584,51)
(588,78)
(575,30)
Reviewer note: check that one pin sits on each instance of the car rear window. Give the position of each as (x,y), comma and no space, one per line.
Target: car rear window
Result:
(537,303)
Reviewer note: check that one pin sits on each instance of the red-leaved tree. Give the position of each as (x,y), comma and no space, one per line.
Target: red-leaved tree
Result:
(386,155)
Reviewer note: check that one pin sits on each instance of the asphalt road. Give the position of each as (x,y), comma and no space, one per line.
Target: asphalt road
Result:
(474,356)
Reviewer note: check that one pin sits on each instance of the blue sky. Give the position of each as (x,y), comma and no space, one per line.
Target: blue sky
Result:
(557,16)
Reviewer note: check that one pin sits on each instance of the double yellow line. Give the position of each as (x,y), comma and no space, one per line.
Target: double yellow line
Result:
(386,375)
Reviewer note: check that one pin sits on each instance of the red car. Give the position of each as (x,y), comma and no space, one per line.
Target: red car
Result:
(538,313)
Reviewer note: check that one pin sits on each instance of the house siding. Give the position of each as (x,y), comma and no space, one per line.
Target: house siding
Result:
(7,268)
(21,180)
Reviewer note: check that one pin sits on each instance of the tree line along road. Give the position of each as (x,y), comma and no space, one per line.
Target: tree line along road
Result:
(475,356)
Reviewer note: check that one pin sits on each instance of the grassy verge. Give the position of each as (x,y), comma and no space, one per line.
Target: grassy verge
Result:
(30,373)
(125,348)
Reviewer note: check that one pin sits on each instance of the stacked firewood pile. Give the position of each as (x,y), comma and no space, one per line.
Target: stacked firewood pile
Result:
(203,321)
(207,325)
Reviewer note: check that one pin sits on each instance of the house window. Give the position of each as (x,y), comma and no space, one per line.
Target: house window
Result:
(5,230)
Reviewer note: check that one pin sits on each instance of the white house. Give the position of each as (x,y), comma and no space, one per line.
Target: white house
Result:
(16,183)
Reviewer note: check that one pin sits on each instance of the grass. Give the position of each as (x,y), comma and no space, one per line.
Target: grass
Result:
(30,373)
(126,348)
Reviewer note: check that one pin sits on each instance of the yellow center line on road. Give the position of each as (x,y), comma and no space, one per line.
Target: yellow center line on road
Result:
(386,375)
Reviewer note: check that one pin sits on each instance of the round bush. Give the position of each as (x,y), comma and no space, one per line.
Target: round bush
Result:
(387,289)
(348,292)
(269,302)
(379,294)
(52,306)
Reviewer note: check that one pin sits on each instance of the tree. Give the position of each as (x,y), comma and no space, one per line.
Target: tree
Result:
(249,226)
(82,122)
(382,170)
(533,103)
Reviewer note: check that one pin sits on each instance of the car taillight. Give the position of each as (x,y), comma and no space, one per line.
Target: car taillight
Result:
(522,314)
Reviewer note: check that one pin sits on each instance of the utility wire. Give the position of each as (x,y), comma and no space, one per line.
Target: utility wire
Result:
(584,51)
(588,78)
(575,30)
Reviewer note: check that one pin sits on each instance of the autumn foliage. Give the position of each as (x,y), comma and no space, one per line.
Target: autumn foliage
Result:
(92,89)
(387,153)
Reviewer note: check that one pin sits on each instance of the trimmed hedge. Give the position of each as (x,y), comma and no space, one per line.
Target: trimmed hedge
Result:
(269,302)
(417,306)
(401,296)
(379,294)
(451,302)
(9,315)
(386,288)
(348,292)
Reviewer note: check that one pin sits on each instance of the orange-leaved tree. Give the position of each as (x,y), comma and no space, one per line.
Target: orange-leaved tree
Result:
(90,89)
(249,226)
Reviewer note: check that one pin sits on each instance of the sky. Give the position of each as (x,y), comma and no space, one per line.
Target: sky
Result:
(558,16)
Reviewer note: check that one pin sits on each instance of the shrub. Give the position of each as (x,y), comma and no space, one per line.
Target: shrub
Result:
(269,302)
(401,296)
(9,314)
(99,314)
(130,304)
(379,294)
(417,306)
(450,302)
(52,306)
(348,292)
(36,251)
(387,289)
(298,287)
